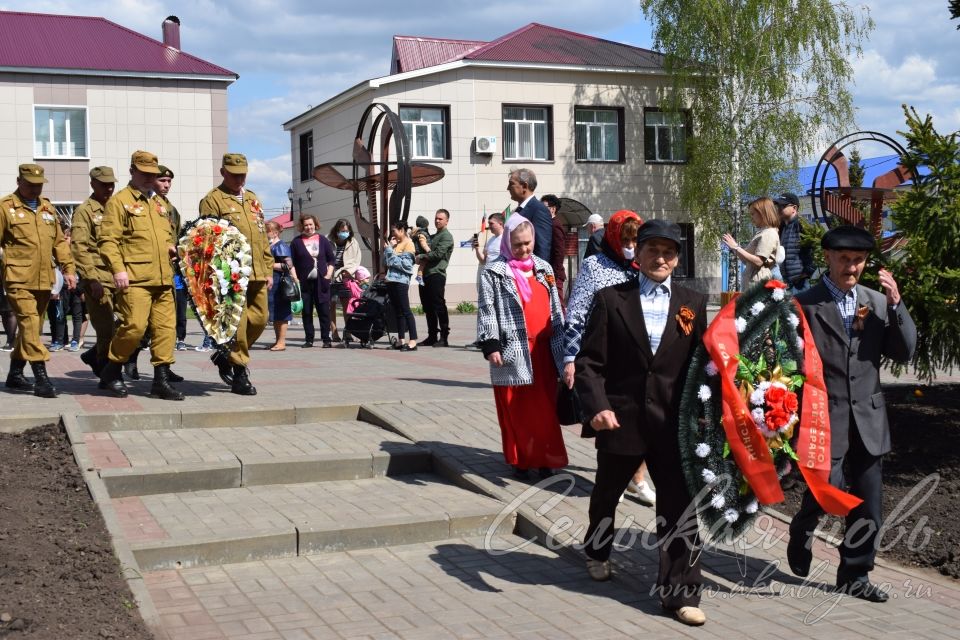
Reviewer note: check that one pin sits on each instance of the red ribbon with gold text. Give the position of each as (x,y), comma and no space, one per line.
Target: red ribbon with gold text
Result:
(747,444)
(813,439)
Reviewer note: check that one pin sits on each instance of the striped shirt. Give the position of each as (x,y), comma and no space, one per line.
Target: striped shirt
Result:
(846,303)
(655,302)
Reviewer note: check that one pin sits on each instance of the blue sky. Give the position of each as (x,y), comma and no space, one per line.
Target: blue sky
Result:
(293,54)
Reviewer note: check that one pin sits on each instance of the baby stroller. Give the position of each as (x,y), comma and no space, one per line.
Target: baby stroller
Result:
(371,316)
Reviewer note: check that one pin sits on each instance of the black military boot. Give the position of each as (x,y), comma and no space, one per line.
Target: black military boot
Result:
(241,382)
(111,380)
(89,358)
(130,366)
(221,358)
(16,379)
(161,384)
(41,383)
(172,377)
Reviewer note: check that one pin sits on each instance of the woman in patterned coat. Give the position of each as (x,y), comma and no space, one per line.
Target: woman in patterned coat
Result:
(520,332)
(613,265)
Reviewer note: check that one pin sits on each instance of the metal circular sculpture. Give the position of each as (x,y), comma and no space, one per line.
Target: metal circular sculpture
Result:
(832,203)
(385,183)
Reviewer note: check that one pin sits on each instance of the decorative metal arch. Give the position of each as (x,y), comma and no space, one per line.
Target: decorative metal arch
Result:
(385,183)
(838,201)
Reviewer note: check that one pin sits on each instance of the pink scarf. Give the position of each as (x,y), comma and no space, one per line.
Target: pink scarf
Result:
(517,266)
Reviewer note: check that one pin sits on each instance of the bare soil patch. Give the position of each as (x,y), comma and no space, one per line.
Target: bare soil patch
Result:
(59,577)
(921,478)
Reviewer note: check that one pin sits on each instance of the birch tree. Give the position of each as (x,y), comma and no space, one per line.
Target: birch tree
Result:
(767,82)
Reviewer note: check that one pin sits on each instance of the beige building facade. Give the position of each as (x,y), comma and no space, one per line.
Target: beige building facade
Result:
(69,120)
(592,134)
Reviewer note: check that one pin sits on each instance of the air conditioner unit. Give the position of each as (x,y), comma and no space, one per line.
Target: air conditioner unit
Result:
(486,144)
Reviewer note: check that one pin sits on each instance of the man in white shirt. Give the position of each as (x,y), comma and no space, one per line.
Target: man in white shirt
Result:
(491,249)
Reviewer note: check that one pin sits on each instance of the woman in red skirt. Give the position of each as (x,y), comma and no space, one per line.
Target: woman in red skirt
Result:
(520,331)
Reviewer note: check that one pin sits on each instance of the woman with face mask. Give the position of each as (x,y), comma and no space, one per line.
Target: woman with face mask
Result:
(348,259)
(520,332)
(613,265)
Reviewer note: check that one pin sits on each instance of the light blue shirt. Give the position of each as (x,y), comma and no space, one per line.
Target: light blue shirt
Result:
(655,302)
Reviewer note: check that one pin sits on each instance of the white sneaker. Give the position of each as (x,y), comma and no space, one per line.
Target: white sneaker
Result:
(642,492)
(599,570)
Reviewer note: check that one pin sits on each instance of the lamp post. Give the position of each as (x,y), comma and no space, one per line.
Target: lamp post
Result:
(290,198)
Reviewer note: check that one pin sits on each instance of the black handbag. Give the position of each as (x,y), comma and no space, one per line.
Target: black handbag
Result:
(289,288)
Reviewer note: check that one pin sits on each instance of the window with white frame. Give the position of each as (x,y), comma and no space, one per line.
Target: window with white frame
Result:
(427,131)
(665,135)
(526,133)
(60,132)
(306,156)
(598,133)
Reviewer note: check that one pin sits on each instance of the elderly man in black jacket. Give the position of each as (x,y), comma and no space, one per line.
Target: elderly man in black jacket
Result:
(631,369)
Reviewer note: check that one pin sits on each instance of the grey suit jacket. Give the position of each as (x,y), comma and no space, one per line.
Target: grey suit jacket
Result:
(851,366)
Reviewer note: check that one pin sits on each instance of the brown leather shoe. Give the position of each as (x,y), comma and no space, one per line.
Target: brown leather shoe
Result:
(599,570)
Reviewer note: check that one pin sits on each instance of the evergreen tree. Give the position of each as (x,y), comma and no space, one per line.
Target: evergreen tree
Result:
(955,10)
(767,82)
(857,171)
(928,272)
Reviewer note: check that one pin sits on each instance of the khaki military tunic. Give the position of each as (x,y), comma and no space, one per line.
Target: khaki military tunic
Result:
(248,218)
(85,235)
(135,236)
(29,238)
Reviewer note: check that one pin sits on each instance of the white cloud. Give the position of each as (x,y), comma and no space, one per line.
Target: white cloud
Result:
(270,178)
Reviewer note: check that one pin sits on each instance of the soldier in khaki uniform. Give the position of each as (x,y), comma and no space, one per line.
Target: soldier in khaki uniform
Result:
(97,279)
(230,201)
(29,233)
(136,243)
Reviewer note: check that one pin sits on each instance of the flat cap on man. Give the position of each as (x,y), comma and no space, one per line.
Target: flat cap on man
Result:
(595,218)
(32,173)
(235,162)
(787,199)
(165,172)
(848,237)
(103,174)
(659,229)
(145,161)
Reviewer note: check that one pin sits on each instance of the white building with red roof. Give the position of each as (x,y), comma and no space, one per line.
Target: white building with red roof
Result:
(581,112)
(78,92)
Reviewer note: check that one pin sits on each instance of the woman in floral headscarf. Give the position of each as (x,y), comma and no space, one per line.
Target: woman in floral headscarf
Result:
(613,265)
(520,332)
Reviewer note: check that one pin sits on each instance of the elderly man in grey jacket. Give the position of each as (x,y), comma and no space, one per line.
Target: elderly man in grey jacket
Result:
(853,326)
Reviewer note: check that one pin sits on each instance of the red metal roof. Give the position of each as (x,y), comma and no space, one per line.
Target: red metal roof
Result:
(413,52)
(45,41)
(534,43)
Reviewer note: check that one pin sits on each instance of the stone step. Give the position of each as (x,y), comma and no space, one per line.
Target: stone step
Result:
(148,462)
(200,528)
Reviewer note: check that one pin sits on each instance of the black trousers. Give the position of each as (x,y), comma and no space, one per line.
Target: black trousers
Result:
(399,294)
(435,306)
(308,293)
(859,548)
(180,298)
(679,582)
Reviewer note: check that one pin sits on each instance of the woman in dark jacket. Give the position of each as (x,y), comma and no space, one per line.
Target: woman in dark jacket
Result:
(313,259)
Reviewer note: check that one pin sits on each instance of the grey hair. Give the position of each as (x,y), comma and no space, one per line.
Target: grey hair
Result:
(526,176)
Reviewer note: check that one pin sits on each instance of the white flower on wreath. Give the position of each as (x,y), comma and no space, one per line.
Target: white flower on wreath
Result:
(752,506)
(731,515)
(741,324)
(708,476)
(800,343)
(758,416)
(757,308)
(718,501)
(777,294)
(702,450)
(766,384)
(704,393)
(757,398)
(793,319)
(711,369)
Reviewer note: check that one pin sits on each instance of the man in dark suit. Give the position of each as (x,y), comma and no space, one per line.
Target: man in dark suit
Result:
(853,327)
(521,185)
(630,375)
